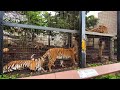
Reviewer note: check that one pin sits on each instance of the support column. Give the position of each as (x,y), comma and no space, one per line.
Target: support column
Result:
(1,42)
(118,35)
(111,49)
(82,40)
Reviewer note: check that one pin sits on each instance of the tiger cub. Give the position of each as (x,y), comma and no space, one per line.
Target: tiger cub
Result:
(22,64)
(59,53)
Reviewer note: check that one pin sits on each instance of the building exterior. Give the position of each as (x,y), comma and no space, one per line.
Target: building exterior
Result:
(109,19)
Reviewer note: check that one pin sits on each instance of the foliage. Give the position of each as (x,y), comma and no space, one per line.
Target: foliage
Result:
(94,64)
(91,21)
(61,19)
(109,76)
(36,18)
(70,17)
(8,77)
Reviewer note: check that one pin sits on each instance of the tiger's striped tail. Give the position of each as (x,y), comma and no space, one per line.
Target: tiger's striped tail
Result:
(32,57)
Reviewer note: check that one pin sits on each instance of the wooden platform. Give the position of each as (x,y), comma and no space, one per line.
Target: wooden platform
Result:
(73,74)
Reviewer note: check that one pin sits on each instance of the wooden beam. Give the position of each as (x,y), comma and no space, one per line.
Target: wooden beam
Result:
(98,34)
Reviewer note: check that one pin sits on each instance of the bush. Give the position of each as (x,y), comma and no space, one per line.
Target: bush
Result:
(109,76)
(8,77)
(94,64)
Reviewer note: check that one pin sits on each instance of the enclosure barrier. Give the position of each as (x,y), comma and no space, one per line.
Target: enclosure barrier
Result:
(71,74)
(26,26)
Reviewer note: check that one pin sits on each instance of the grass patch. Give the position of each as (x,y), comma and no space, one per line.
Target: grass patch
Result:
(4,76)
(109,76)
(94,64)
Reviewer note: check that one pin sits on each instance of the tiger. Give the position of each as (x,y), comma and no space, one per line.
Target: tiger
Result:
(35,59)
(100,29)
(58,53)
(22,64)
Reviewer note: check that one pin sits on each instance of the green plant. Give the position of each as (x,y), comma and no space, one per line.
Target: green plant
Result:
(77,68)
(94,64)
(109,76)
(91,21)
(4,76)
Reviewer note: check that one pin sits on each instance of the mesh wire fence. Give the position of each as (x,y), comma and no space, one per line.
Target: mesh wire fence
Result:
(101,28)
(21,43)
(101,31)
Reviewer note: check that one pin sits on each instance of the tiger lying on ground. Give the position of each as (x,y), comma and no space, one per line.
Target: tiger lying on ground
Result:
(22,64)
(59,53)
(99,29)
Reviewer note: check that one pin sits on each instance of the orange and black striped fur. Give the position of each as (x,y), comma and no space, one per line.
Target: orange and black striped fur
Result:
(33,65)
(59,53)
(99,29)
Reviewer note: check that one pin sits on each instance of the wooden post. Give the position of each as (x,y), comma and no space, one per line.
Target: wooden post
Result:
(111,57)
(94,42)
(49,38)
(100,49)
(69,40)
(1,42)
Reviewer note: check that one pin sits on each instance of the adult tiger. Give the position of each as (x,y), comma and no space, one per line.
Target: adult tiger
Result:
(22,64)
(59,53)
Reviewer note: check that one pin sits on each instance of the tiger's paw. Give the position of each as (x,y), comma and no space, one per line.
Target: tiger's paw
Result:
(63,66)
(53,65)
(76,64)
(31,73)
(50,70)
(45,71)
